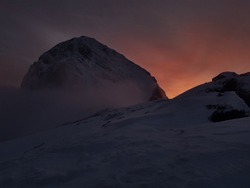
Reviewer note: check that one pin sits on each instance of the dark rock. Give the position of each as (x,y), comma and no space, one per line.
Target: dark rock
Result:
(224,75)
(230,81)
(158,93)
(221,115)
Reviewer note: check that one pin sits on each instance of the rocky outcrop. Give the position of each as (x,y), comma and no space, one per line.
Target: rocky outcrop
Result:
(230,81)
(229,95)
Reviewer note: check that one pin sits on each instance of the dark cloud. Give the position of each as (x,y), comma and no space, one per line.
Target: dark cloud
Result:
(173,39)
(26,112)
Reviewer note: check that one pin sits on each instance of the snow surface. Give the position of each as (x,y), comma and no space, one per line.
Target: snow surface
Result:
(225,82)
(164,143)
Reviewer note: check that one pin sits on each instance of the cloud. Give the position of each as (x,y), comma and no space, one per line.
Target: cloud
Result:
(25,112)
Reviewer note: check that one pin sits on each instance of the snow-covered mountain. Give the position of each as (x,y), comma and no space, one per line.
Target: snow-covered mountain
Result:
(201,138)
(85,64)
(162,143)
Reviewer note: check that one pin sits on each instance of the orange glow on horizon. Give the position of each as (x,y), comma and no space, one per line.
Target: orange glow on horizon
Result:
(181,43)
(196,59)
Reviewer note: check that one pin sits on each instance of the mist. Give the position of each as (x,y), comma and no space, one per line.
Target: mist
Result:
(25,112)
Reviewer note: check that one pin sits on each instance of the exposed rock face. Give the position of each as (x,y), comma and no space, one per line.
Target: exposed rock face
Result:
(231,93)
(84,63)
(226,112)
(230,81)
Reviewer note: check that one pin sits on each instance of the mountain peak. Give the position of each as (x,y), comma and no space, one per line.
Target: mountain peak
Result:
(84,63)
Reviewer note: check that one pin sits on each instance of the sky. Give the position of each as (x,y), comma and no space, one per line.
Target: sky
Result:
(183,43)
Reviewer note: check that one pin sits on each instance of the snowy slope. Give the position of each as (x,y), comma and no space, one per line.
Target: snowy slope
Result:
(225,82)
(85,64)
(224,85)
(163,143)
(157,144)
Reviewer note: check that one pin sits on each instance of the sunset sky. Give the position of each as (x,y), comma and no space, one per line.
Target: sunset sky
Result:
(182,43)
